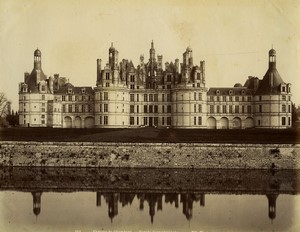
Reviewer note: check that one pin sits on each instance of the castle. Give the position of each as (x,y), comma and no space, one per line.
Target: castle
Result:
(152,95)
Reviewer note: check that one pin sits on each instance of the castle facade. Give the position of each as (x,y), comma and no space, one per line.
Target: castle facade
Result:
(152,95)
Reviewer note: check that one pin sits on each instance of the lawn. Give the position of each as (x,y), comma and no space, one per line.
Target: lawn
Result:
(150,134)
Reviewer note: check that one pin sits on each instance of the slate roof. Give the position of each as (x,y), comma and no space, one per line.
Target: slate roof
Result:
(225,91)
(270,84)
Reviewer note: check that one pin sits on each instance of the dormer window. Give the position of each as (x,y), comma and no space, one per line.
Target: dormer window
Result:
(243,92)
(43,88)
(218,92)
(230,92)
(69,91)
(83,91)
(283,88)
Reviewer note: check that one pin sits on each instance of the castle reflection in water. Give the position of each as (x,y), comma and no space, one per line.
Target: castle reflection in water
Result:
(154,201)
(157,189)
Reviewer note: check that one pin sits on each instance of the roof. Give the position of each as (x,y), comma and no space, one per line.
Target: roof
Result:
(270,84)
(226,90)
(75,90)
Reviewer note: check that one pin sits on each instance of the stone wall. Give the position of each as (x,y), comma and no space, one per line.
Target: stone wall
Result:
(152,155)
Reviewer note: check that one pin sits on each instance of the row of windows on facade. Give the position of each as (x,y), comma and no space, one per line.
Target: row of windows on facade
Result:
(242,98)
(77,108)
(242,109)
(150,97)
(136,121)
(168,77)
(132,86)
(77,98)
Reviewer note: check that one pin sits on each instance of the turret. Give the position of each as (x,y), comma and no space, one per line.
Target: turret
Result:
(272,59)
(152,52)
(98,70)
(37,64)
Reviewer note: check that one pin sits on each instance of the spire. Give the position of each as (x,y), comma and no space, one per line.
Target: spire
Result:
(152,44)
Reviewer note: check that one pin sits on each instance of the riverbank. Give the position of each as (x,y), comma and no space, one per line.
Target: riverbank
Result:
(150,155)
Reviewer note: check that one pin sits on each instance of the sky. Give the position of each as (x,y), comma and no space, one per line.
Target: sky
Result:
(232,36)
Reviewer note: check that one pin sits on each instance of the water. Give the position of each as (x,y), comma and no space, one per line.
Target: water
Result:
(55,199)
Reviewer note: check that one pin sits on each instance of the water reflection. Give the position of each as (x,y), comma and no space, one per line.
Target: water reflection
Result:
(154,201)
(201,197)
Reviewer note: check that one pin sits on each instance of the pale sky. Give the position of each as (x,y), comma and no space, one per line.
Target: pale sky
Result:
(232,36)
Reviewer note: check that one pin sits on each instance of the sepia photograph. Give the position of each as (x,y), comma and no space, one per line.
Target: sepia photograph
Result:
(149,116)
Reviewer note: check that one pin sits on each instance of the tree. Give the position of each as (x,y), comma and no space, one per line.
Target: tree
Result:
(295,114)
(4,109)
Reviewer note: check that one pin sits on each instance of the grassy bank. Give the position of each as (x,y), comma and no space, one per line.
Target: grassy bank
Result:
(262,136)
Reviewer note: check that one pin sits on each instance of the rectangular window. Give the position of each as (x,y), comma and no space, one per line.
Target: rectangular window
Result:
(107,76)
(224,109)
(156,97)
(100,120)
(260,98)
(195,96)
(249,99)
(199,108)
(218,98)
(289,108)
(107,84)
(132,97)
(218,109)
(100,108)
(195,108)
(260,108)
(249,109)
(224,98)
(283,108)
(137,97)
(131,109)
(156,109)
(150,109)
(163,109)
(150,98)
(199,120)
(100,96)
(137,109)
(168,121)
(163,121)
(82,107)
(131,86)
(283,97)
(236,98)
(42,116)
(43,97)
(131,120)
(283,121)
(76,98)
(230,109)
(155,121)
(168,78)
(137,120)
(289,121)
(230,98)
(105,96)
(105,120)
(63,98)
(200,96)
(70,97)
(195,121)
(145,121)
(145,98)
(237,109)
(105,107)
(211,109)
(76,108)
(168,97)
(63,108)
(70,108)
(169,110)
(132,78)
(163,98)
(145,109)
